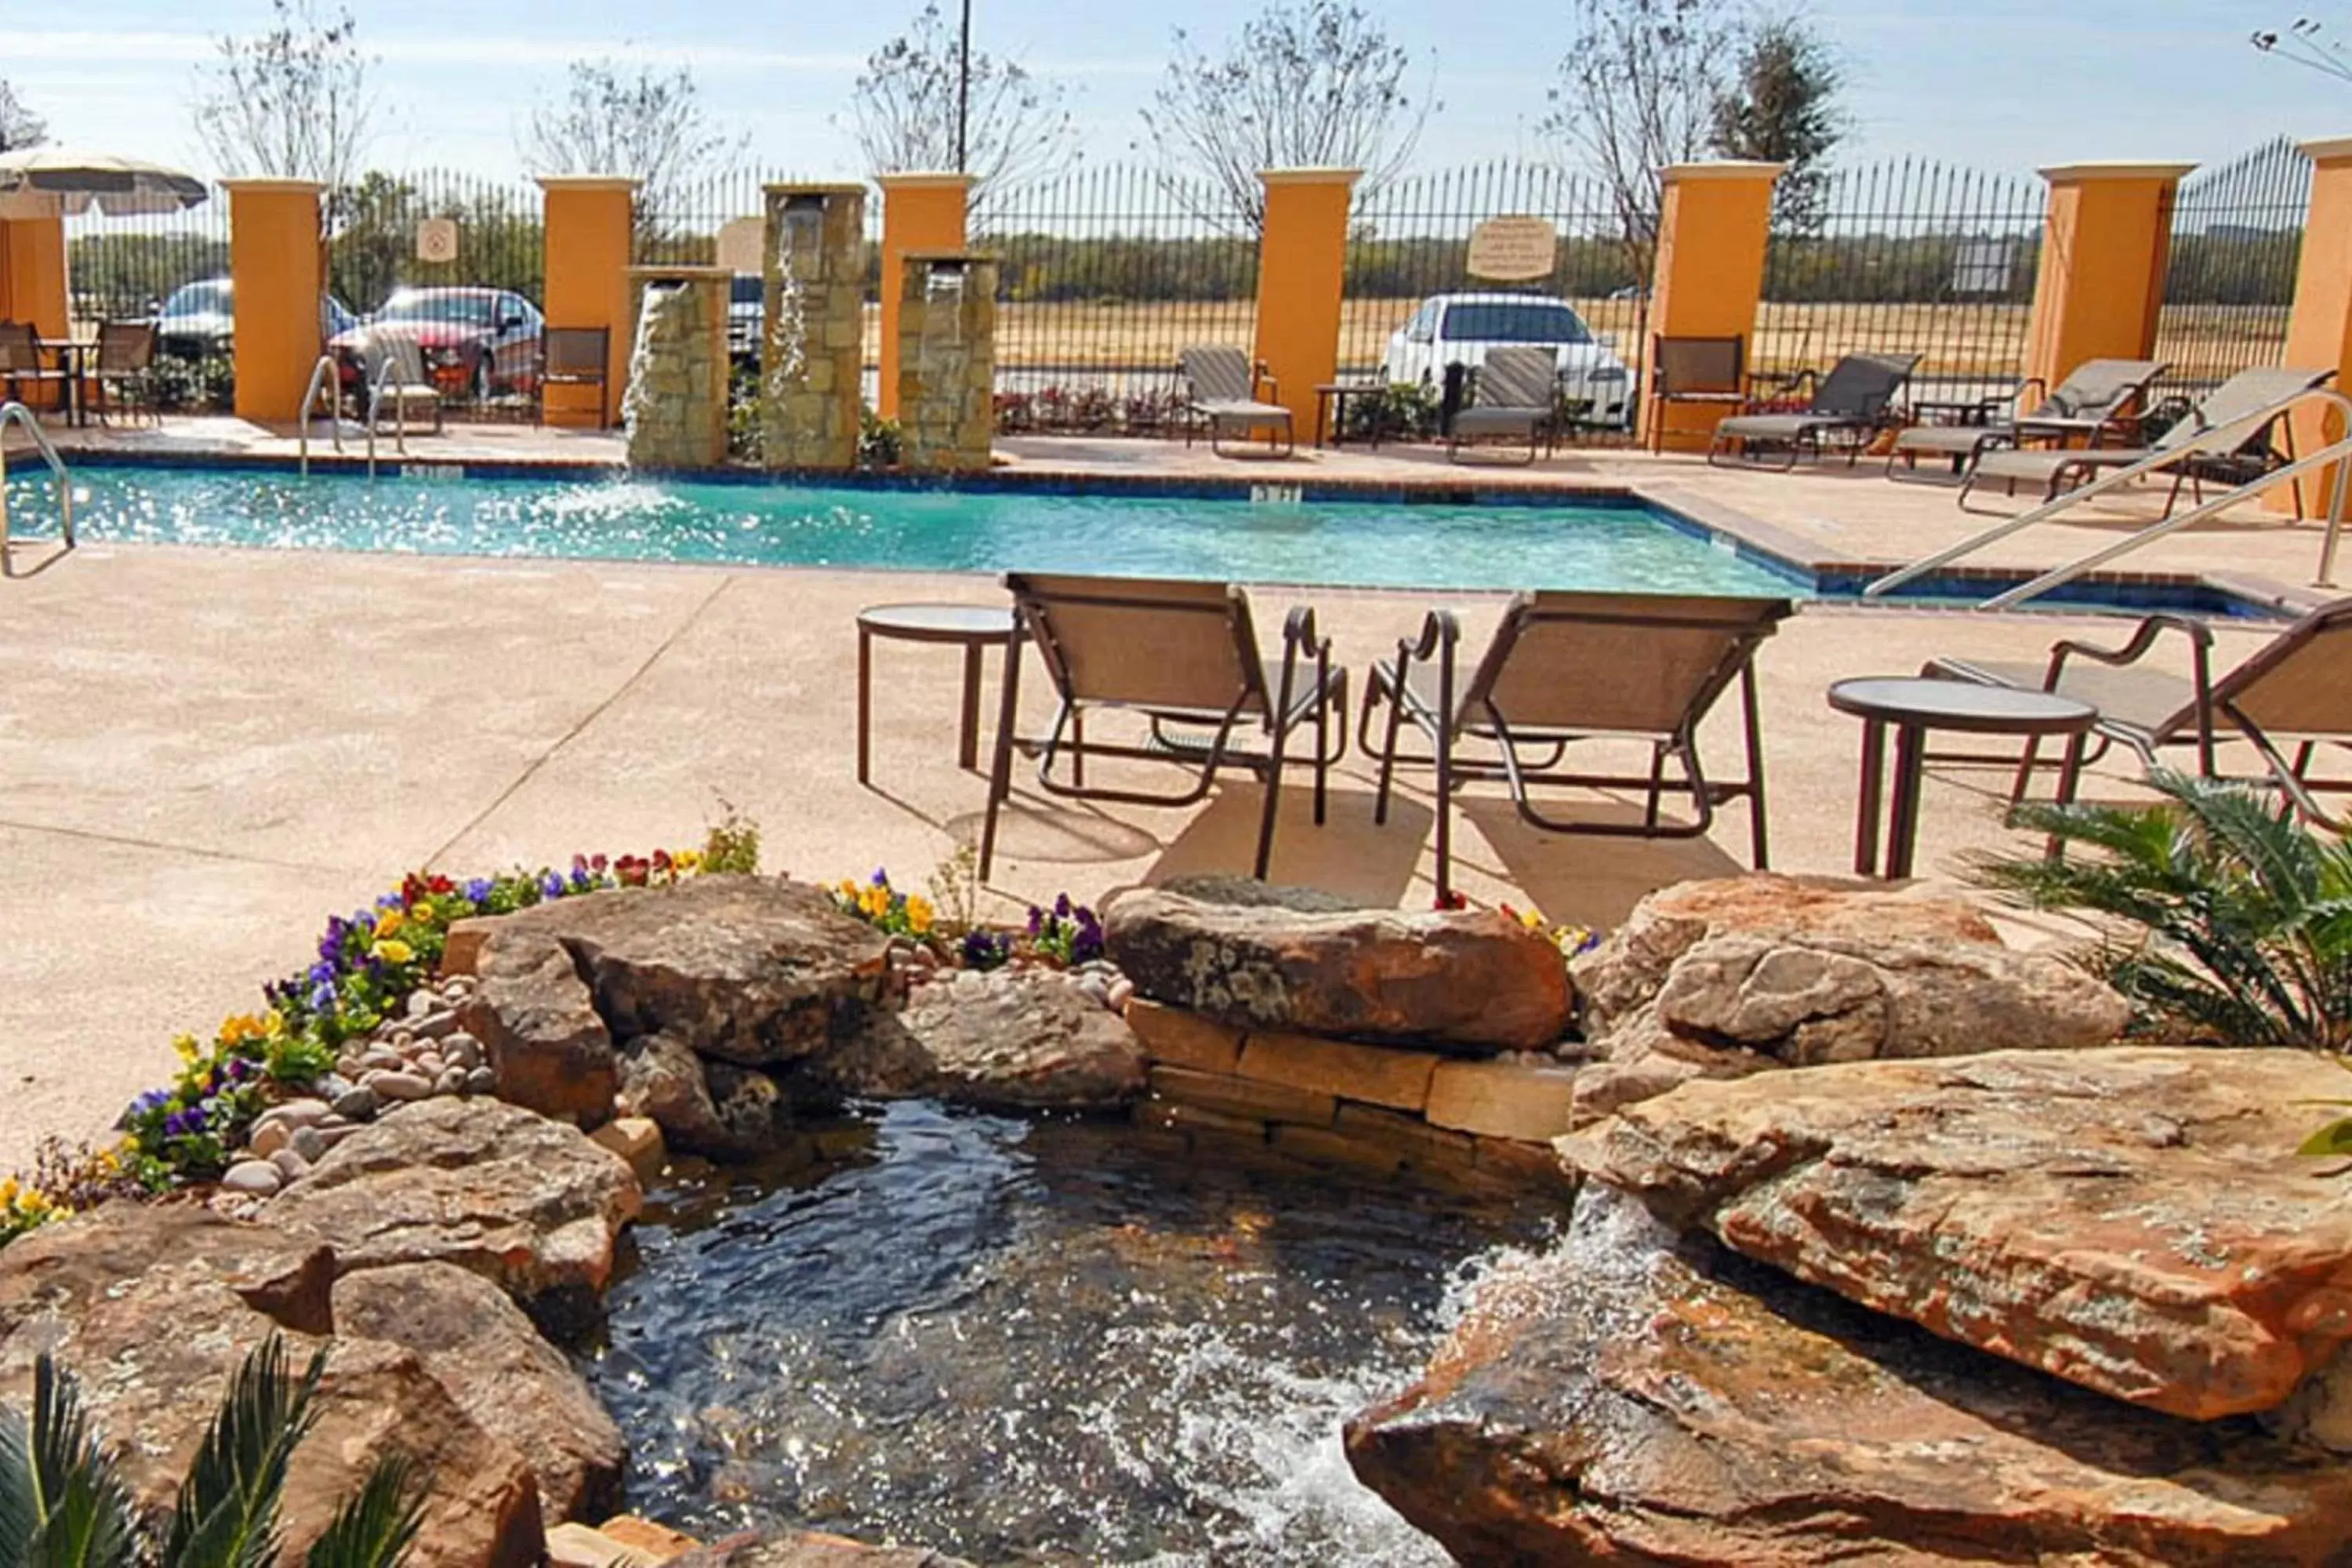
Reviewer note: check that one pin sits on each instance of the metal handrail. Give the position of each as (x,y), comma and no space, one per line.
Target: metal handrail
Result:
(321,374)
(385,369)
(2234,432)
(18,414)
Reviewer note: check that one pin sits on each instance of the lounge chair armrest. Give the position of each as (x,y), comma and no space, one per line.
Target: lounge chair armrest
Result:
(2143,637)
(1298,632)
(1767,389)
(1439,632)
(1260,376)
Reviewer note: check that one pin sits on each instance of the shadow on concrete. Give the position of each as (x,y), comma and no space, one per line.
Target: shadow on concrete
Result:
(1347,855)
(1592,879)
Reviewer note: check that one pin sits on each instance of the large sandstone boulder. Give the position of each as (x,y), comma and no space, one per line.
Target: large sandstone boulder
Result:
(154,1307)
(2132,1219)
(810,1549)
(1263,959)
(546,1043)
(713,1109)
(528,1204)
(484,1352)
(1018,1040)
(1623,1399)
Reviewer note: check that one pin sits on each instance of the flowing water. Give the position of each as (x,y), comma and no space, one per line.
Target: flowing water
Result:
(1026,1340)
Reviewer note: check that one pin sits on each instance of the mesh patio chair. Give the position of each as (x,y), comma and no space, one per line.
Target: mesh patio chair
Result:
(575,356)
(2090,404)
(1850,402)
(21,363)
(1694,370)
(1221,390)
(393,368)
(125,369)
(1516,392)
(1185,657)
(1565,668)
(2295,688)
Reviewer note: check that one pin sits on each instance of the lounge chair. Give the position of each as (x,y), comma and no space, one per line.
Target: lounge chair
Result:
(21,365)
(1182,656)
(1694,370)
(2297,687)
(1221,390)
(1570,666)
(2089,404)
(125,371)
(1851,401)
(1516,392)
(575,356)
(392,375)
(2229,424)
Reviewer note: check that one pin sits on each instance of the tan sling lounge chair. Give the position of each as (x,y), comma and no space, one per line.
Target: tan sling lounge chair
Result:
(1182,656)
(2084,409)
(1514,394)
(1564,667)
(1850,403)
(1221,390)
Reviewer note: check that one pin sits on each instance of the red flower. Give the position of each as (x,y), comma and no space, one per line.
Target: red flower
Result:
(631,871)
(442,887)
(1453,900)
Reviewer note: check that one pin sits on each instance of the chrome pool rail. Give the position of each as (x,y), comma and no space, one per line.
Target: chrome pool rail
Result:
(2337,452)
(325,374)
(16,413)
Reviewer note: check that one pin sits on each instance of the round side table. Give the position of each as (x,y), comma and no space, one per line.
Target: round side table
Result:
(973,627)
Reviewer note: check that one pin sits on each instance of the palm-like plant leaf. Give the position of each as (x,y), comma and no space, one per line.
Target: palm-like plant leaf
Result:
(62,1503)
(226,1515)
(374,1527)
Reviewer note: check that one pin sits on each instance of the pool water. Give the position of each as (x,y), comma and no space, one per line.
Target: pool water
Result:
(1602,544)
(1043,1341)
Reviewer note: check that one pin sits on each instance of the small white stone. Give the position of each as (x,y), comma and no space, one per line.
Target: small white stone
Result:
(420,1002)
(309,1144)
(255,1178)
(268,1138)
(291,1166)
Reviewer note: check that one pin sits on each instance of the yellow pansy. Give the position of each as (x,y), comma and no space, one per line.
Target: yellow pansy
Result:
(186,1047)
(395,951)
(918,914)
(1532,920)
(389,924)
(687,859)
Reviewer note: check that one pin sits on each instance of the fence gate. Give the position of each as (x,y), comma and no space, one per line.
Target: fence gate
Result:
(2237,236)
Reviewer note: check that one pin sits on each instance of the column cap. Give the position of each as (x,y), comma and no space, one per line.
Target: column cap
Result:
(588,182)
(924,179)
(272,183)
(1310,176)
(2112,169)
(2327,148)
(814,188)
(685,272)
(1723,168)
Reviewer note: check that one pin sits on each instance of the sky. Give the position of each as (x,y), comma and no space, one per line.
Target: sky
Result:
(2005,85)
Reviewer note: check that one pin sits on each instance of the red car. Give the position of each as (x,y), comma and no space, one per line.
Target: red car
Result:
(471,343)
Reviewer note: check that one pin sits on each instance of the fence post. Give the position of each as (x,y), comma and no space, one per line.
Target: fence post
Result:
(33,276)
(2319,327)
(2106,243)
(920,210)
(277,265)
(1712,228)
(1302,263)
(586,224)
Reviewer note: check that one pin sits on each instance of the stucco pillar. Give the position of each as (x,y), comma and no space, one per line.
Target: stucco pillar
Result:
(1302,259)
(2106,243)
(588,221)
(277,266)
(2319,329)
(33,284)
(1713,223)
(920,211)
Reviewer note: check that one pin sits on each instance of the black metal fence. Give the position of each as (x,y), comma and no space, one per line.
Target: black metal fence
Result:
(2237,237)
(1905,256)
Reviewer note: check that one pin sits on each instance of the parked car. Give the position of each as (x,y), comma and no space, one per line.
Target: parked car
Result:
(196,320)
(473,342)
(1458,329)
(747,306)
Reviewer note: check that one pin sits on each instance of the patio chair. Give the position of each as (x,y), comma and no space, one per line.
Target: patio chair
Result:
(1184,656)
(1221,390)
(125,371)
(21,364)
(1516,392)
(2295,687)
(2089,404)
(1694,370)
(1570,666)
(392,372)
(1851,401)
(575,356)
(2226,435)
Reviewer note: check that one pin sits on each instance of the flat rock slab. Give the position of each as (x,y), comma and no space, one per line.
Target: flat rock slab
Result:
(1625,1399)
(1019,1041)
(2131,1219)
(1248,956)
(811,1549)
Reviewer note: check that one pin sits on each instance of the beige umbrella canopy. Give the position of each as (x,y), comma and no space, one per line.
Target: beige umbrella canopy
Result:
(36,181)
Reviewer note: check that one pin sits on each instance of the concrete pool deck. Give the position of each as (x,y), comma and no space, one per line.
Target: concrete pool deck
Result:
(204,752)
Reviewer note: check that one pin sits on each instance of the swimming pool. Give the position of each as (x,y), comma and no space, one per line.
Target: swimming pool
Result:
(1601,542)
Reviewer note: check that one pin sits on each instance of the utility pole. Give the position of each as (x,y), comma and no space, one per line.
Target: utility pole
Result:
(963,92)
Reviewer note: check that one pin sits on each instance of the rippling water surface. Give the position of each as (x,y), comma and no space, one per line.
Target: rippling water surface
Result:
(1046,1341)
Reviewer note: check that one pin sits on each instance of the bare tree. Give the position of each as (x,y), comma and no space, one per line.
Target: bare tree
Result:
(1637,90)
(2307,43)
(19,126)
(904,109)
(647,124)
(1315,85)
(294,101)
(1784,108)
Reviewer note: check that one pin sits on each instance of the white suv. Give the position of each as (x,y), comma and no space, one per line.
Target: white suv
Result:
(1458,329)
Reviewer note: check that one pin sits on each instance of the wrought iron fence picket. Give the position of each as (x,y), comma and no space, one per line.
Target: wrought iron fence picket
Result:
(2237,236)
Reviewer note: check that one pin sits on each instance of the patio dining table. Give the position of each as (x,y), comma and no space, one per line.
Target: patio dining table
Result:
(72,355)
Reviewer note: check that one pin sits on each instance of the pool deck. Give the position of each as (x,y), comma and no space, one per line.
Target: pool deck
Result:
(203,752)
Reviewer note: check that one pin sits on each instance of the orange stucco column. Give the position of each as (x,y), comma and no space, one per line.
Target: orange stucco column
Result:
(2105,242)
(588,222)
(33,284)
(1302,259)
(922,212)
(276,263)
(2319,329)
(1712,227)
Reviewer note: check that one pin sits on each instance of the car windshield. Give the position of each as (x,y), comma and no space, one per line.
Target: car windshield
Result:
(749,289)
(1515,322)
(198,299)
(473,309)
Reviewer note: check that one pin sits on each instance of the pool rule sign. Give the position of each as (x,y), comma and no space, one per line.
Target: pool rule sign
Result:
(1512,249)
(436,239)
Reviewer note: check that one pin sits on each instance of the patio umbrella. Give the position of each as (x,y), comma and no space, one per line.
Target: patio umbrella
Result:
(39,181)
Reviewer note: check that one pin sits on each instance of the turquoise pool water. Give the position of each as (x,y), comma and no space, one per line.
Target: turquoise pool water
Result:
(1597,545)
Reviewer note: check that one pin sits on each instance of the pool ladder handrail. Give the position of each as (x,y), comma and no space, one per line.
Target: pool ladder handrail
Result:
(2242,430)
(327,373)
(16,413)
(386,368)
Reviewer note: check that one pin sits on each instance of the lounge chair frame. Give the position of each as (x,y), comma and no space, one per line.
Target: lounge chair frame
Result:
(1694,370)
(1828,413)
(1222,388)
(1308,690)
(1513,373)
(2062,412)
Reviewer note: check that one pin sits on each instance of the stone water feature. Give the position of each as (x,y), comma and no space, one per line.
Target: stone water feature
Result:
(676,405)
(947,360)
(811,339)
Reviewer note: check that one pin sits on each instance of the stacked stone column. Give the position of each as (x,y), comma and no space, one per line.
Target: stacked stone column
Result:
(813,335)
(947,360)
(675,405)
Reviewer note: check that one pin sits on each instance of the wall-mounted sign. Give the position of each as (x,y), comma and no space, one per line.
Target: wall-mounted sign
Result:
(1512,249)
(740,243)
(436,239)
